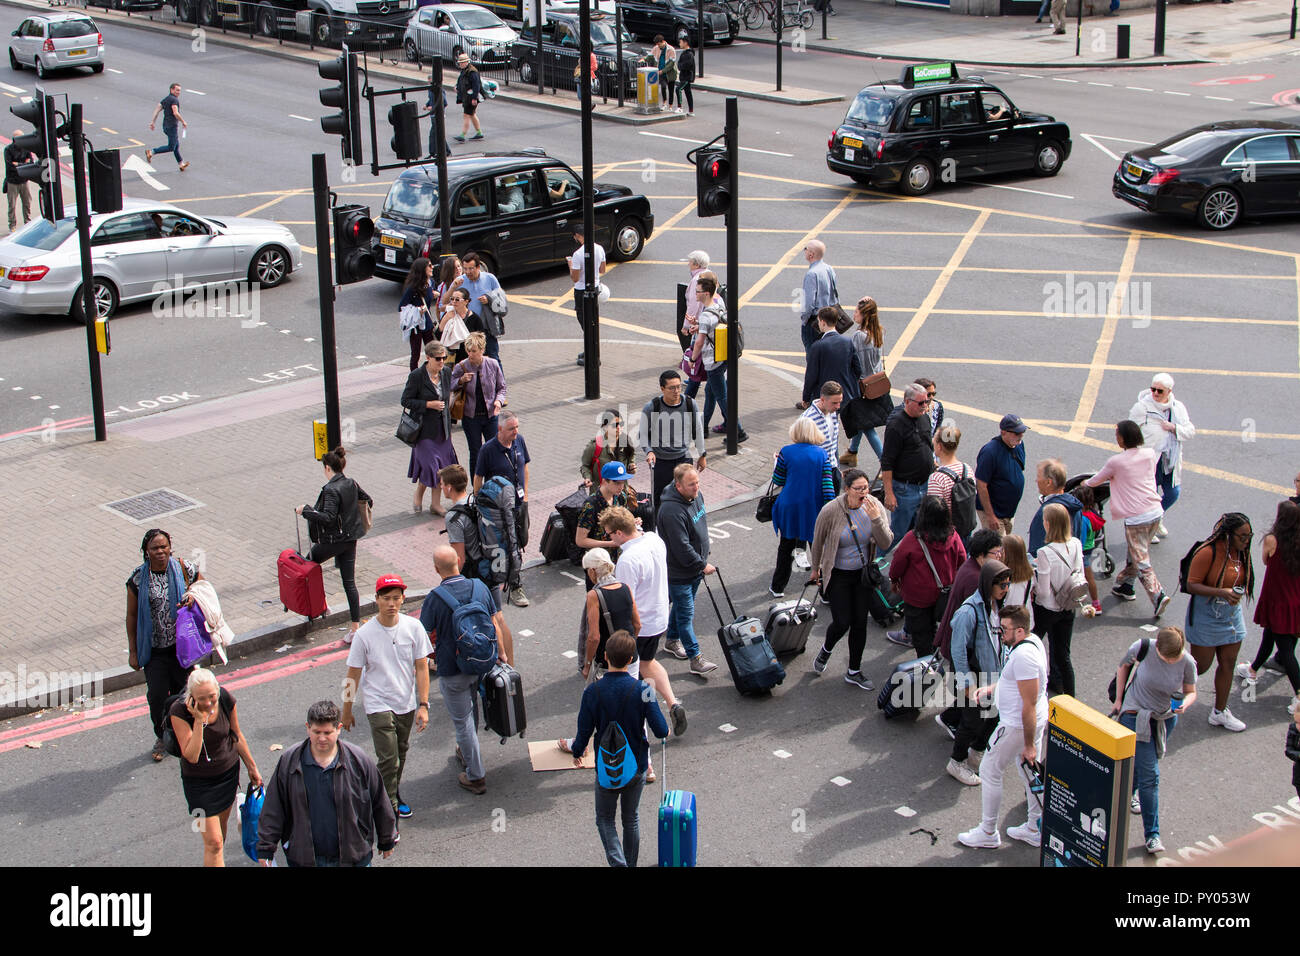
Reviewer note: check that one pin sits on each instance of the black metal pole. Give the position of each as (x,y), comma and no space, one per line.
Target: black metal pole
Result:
(826,9)
(88,307)
(779,20)
(1160,28)
(699,36)
(325,285)
(732,133)
(1293,2)
(440,128)
(618,44)
(590,304)
(1078,29)
(541,56)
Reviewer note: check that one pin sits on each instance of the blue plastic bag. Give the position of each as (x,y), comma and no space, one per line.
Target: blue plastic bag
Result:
(250,811)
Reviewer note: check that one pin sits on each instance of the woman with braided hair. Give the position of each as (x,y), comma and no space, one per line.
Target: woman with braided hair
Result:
(1278,610)
(1220,577)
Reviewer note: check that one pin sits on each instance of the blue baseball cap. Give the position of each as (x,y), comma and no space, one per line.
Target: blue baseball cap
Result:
(614,471)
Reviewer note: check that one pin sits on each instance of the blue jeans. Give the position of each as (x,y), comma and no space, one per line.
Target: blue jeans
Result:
(458,692)
(1042,11)
(1169,491)
(715,393)
(692,389)
(477,431)
(900,519)
(1146,776)
(607,804)
(173,143)
(873,439)
(681,615)
(493,349)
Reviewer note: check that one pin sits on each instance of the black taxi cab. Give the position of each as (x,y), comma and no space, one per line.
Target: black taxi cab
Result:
(933,125)
(516,210)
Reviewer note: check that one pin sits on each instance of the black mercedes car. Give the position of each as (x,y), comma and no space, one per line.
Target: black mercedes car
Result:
(677,18)
(933,126)
(516,210)
(560,54)
(1217,173)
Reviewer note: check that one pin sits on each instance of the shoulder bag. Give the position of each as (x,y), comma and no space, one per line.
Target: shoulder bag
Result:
(765,503)
(874,385)
(1071,593)
(944,589)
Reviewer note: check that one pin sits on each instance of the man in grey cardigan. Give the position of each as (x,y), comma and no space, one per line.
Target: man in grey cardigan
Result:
(671,427)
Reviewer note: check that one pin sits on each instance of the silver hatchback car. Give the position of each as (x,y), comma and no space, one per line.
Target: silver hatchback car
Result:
(57,41)
(143,251)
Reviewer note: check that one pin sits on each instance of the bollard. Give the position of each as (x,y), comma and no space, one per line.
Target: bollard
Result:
(1160,28)
(1121,41)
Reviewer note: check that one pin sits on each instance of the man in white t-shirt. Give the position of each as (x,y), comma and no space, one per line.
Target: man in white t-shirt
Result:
(389,664)
(1021,699)
(578,273)
(643,567)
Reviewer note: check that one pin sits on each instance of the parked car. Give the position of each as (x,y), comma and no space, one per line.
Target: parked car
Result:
(441,30)
(516,210)
(560,54)
(678,18)
(1218,173)
(134,250)
(916,132)
(57,41)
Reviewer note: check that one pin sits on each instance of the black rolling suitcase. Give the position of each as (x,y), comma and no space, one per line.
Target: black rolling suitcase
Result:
(789,623)
(910,685)
(503,702)
(555,544)
(753,664)
(568,510)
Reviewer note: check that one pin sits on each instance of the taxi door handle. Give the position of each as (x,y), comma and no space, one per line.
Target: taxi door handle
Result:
(503,235)
(993,138)
(945,143)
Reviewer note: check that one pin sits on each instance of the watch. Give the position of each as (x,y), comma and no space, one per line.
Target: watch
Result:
(424,704)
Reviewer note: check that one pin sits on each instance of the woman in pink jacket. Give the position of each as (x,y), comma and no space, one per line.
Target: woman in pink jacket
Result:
(1135,500)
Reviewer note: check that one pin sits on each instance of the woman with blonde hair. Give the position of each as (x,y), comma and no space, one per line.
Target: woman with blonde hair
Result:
(803,473)
(1058,563)
(484,385)
(211,744)
(1015,555)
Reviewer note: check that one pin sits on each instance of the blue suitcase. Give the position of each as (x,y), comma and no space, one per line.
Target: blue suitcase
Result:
(678,822)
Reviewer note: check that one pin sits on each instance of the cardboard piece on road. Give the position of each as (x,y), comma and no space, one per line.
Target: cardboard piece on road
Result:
(547,756)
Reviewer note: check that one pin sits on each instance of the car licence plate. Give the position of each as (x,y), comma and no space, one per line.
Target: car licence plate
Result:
(397,242)
(852,141)
(849,154)
(2,272)
(1134,171)
(76,53)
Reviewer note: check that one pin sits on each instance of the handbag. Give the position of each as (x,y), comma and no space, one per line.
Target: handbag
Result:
(1071,593)
(694,371)
(454,333)
(765,503)
(250,813)
(457,404)
(872,576)
(408,428)
(878,486)
(192,641)
(874,385)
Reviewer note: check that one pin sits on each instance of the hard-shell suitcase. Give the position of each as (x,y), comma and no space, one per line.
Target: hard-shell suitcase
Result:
(555,541)
(789,623)
(568,509)
(910,686)
(678,821)
(750,658)
(302,584)
(503,702)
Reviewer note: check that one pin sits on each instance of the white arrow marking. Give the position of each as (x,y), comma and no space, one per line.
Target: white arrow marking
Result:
(1093,137)
(1090,138)
(138,165)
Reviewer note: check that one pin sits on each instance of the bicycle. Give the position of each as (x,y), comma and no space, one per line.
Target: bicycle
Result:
(753,12)
(794,13)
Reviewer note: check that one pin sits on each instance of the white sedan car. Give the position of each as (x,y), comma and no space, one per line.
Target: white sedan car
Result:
(57,41)
(439,31)
(136,252)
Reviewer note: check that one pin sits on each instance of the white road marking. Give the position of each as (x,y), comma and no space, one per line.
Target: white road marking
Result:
(700,142)
(111,70)
(841,781)
(1176,93)
(573,577)
(905,811)
(1090,138)
(783,754)
(1225,99)
(1140,89)
(1029,76)
(1061,79)
(1021,189)
(569,654)
(530,634)
(1257,103)
(12,89)
(138,165)
(1119,139)
(728,728)
(195,92)
(1095,83)
(305,119)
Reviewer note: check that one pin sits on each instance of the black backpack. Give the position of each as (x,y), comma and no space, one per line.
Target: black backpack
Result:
(473,543)
(1132,673)
(1185,565)
(170,743)
(964,495)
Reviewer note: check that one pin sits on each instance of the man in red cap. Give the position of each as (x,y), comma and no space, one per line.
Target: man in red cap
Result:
(389,664)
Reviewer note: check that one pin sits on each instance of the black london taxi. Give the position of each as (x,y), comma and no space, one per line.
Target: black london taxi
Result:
(560,53)
(934,126)
(679,18)
(516,210)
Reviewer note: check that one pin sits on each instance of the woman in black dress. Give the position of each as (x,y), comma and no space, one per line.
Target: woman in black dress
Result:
(427,396)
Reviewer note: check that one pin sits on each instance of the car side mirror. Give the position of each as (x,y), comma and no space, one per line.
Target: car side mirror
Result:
(14,34)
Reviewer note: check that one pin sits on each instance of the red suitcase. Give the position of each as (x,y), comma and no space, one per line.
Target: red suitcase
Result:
(302,585)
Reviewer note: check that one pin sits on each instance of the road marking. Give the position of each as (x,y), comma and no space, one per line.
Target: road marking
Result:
(107,130)
(137,165)
(305,119)
(1029,76)
(782,754)
(1097,370)
(1095,83)
(574,578)
(111,70)
(1022,189)
(1140,89)
(841,781)
(1147,369)
(1222,99)
(1175,93)
(12,89)
(272,202)
(1061,79)
(1257,103)
(700,142)
(1089,137)
(195,92)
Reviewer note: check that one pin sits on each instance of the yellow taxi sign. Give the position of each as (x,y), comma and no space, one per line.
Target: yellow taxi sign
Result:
(1091,727)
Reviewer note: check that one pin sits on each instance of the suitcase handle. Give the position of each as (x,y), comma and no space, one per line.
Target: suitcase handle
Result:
(807,584)
(297,529)
(712,601)
(663,772)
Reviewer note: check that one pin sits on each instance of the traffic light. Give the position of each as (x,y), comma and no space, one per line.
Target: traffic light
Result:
(105,180)
(343,97)
(712,182)
(37,141)
(404,118)
(353,230)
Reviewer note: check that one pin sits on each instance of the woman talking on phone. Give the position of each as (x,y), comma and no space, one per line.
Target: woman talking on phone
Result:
(207,731)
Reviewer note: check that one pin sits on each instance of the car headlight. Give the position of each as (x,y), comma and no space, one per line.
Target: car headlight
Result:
(352,26)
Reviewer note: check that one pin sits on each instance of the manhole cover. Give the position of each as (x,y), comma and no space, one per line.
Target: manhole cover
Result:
(151,505)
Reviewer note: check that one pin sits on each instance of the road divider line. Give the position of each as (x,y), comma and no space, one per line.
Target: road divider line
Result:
(783,263)
(305,119)
(700,142)
(1022,189)
(1097,368)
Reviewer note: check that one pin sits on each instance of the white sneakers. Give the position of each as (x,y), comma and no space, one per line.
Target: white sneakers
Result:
(1135,805)
(1026,834)
(980,839)
(1242,673)
(1223,718)
(962,773)
(801,562)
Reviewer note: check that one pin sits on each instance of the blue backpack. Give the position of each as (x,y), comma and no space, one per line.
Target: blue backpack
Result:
(472,630)
(615,761)
(495,507)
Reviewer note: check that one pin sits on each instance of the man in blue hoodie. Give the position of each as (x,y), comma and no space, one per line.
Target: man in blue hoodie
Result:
(977,656)
(1051,478)
(684,525)
(619,698)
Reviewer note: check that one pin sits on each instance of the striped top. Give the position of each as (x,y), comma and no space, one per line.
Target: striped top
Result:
(829,426)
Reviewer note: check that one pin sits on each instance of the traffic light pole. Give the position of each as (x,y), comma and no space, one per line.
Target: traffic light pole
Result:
(88,308)
(325,284)
(589,303)
(52,151)
(732,133)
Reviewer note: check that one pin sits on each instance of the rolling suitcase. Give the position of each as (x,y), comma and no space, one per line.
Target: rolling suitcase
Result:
(503,702)
(753,665)
(678,821)
(789,623)
(909,686)
(555,540)
(568,509)
(302,584)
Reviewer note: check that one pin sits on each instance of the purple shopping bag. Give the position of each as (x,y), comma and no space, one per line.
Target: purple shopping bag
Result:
(192,641)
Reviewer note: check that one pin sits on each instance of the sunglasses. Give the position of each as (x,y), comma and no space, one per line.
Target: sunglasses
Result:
(1158,391)
(440,358)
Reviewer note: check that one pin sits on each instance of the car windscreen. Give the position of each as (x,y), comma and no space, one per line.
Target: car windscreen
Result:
(1193,146)
(604,33)
(62,29)
(43,234)
(478,20)
(413,198)
(871,109)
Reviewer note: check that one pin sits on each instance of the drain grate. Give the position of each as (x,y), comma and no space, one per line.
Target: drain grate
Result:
(158,503)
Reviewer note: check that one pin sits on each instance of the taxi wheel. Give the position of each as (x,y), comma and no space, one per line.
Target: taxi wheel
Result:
(1220,209)
(526,74)
(918,178)
(628,240)
(1047,161)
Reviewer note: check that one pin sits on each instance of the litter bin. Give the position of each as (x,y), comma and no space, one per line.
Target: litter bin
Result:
(647,89)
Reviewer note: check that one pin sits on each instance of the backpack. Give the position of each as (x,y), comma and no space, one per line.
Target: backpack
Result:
(170,743)
(615,762)
(1185,565)
(495,503)
(657,406)
(475,635)
(964,495)
(1071,593)
(474,557)
(1132,673)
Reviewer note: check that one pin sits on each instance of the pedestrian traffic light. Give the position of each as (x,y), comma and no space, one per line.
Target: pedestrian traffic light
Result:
(36,142)
(344,97)
(404,118)
(712,182)
(353,230)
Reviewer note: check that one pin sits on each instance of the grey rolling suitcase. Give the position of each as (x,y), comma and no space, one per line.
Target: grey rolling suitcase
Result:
(789,623)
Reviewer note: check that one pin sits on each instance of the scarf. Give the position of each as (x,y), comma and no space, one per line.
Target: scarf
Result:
(144,606)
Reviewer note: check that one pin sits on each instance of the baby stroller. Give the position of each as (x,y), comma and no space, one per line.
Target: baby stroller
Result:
(1102,564)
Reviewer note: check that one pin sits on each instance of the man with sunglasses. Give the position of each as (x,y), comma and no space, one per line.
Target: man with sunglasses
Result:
(1165,426)
(907,459)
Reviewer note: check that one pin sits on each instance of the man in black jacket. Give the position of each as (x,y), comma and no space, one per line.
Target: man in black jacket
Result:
(16,188)
(684,525)
(832,358)
(325,802)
